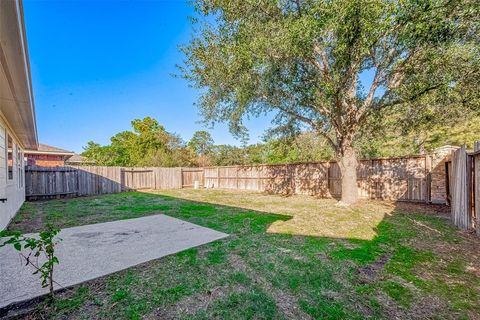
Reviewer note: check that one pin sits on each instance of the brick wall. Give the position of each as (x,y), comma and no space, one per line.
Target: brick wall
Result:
(438,187)
(44,160)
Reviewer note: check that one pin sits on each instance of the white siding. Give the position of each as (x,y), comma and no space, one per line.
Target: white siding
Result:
(3,169)
(10,189)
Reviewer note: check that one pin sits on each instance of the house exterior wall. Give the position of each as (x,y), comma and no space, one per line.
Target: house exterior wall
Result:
(11,189)
(17,111)
(45,160)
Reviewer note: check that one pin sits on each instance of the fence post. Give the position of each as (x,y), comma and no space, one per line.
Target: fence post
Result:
(327,175)
(76,182)
(328,180)
(371,182)
(461,215)
(154,174)
(470,190)
(476,185)
(292,173)
(428,176)
(181,178)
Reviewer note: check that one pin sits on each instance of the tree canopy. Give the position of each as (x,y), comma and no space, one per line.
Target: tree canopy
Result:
(306,61)
(149,144)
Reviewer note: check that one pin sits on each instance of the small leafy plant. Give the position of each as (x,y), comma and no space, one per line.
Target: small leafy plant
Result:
(43,245)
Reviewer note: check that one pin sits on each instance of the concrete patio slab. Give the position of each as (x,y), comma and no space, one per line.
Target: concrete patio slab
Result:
(91,251)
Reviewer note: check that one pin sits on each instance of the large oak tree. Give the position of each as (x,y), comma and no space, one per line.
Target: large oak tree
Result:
(303,60)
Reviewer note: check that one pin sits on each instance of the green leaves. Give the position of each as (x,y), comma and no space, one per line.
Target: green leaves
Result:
(149,144)
(307,62)
(201,143)
(44,244)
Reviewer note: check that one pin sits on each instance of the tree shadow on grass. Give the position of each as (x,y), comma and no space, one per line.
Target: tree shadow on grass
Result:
(406,256)
(404,262)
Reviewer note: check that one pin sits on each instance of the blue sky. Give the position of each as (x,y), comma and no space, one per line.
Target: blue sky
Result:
(98,65)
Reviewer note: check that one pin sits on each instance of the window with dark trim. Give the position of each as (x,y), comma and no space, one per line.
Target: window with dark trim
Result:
(9,157)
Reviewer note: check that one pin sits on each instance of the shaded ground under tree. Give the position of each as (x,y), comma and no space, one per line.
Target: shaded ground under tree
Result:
(286,257)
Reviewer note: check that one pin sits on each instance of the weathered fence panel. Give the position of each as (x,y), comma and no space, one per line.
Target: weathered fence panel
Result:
(138,178)
(460,189)
(402,179)
(394,179)
(168,178)
(311,179)
(47,182)
(93,180)
(42,181)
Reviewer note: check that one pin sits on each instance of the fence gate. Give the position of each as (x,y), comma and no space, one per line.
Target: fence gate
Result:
(189,176)
(136,179)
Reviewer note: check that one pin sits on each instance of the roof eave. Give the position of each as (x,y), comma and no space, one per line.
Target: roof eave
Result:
(17,105)
(55,153)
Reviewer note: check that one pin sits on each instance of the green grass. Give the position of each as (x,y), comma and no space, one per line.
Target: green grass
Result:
(402,295)
(76,300)
(286,257)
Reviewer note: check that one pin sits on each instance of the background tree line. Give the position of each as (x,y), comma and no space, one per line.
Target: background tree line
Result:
(150,144)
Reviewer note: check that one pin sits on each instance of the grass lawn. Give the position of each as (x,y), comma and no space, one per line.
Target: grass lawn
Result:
(286,258)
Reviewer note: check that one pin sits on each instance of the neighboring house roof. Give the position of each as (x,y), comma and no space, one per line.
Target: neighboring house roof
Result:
(16,97)
(76,158)
(46,149)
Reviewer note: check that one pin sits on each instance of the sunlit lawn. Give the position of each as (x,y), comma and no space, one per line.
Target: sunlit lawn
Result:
(286,257)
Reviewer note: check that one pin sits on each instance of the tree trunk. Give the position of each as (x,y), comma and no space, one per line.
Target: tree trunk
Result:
(347,161)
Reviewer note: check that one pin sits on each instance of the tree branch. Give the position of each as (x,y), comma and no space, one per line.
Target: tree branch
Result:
(413,97)
(323,56)
(381,67)
(328,138)
(310,122)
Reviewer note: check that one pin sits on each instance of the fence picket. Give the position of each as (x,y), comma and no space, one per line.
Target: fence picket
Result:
(476,184)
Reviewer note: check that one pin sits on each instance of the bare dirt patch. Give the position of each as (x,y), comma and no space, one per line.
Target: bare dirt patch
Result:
(191,304)
(412,207)
(426,308)
(371,271)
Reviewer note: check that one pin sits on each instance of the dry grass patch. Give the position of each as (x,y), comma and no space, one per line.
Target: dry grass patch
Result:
(310,216)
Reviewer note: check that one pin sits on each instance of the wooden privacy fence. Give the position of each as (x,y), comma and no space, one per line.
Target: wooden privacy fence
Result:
(46,182)
(43,181)
(409,179)
(395,179)
(464,181)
